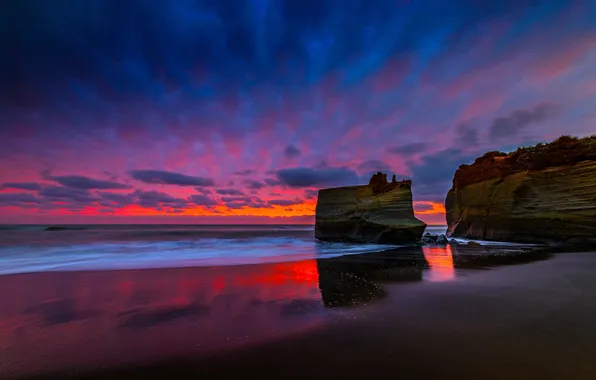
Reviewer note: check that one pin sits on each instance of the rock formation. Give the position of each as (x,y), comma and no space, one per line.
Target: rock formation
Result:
(541,194)
(380,212)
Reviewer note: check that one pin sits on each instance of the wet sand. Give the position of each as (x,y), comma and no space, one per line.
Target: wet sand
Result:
(415,313)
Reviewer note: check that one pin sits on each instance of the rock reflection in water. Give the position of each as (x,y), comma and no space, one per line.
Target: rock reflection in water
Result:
(357,280)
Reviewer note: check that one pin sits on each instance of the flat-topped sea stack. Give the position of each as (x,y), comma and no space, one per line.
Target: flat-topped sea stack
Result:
(540,194)
(380,212)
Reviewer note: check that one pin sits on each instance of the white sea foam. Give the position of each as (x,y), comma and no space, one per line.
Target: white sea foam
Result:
(441,230)
(164,254)
(490,242)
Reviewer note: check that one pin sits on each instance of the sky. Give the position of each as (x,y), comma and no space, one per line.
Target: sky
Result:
(229,111)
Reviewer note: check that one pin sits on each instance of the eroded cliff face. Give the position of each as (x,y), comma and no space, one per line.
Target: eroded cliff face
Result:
(380,212)
(542,194)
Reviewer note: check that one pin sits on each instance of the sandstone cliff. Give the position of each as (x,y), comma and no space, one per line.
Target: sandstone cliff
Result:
(380,212)
(540,194)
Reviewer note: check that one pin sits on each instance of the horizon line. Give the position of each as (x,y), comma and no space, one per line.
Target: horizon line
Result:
(174,224)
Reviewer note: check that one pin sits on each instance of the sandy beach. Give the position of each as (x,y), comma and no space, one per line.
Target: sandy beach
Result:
(415,313)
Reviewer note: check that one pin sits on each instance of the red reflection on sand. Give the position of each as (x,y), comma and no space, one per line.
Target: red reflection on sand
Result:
(302,272)
(440,261)
(60,321)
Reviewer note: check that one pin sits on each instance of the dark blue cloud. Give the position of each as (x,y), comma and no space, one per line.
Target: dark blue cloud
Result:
(18,199)
(413,148)
(202,200)
(419,207)
(229,192)
(21,185)
(85,183)
(254,185)
(466,134)
(204,190)
(115,198)
(234,87)
(511,125)
(291,151)
(246,201)
(373,166)
(244,172)
(60,193)
(273,182)
(79,61)
(283,202)
(432,177)
(309,177)
(158,200)
(169,178)
(310,193)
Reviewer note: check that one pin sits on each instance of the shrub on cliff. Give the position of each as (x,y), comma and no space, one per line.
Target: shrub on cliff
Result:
(565,150)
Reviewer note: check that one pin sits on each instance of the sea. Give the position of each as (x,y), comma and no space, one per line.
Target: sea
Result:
(39,248)
(213,301)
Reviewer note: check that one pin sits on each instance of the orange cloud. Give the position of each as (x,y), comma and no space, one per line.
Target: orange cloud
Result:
(422,208)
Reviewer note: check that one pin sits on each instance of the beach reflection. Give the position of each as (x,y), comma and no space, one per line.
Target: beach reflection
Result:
(88,320)
(440,263)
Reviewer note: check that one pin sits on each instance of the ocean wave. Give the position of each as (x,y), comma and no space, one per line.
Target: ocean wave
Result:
(164,254)
(64,235)
(65,228)
(490,242)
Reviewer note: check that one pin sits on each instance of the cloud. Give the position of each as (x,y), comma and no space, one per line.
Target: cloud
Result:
(412,148)
(18,199)
(423,206)
(85,183)
(169,178)
(223,88)
(59,193)
(157,200)
(255,185)
(430,208)
(120,199)
(373,166)
(238,199)
(309,177)
(21,186)
(310,193)
(282,202)
(202,200)
(241,202)
(432,177)
(245,172)
(518,120)
(466,135)
(229,192)
(291,151)
(273,182)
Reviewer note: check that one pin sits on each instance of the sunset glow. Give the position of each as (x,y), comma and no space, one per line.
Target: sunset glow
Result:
(219,114)
(440,262)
